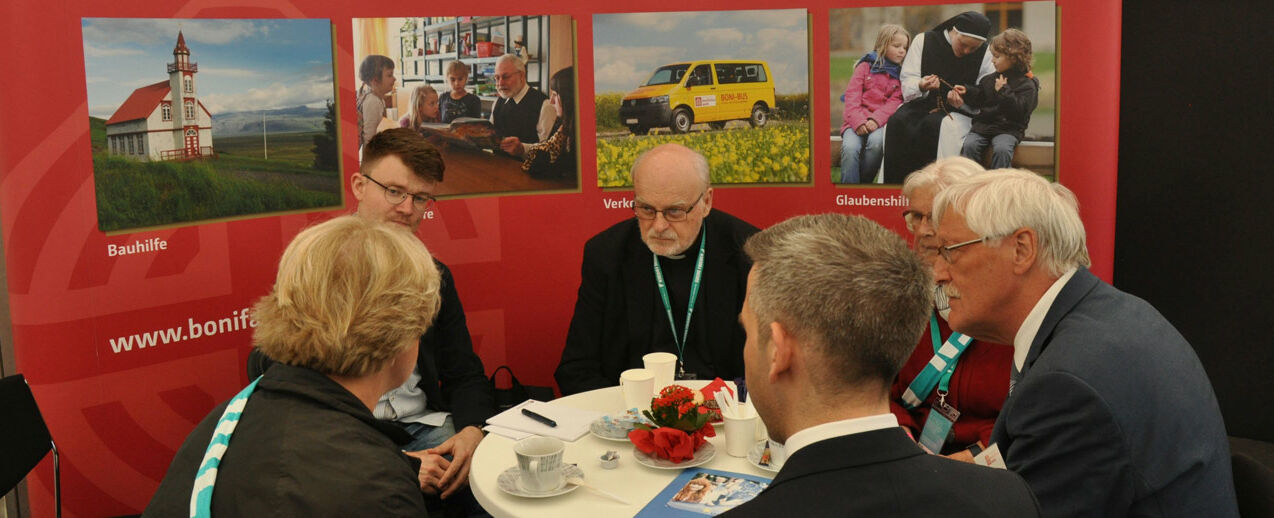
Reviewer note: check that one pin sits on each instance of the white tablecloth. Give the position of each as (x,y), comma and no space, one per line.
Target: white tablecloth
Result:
(633,481)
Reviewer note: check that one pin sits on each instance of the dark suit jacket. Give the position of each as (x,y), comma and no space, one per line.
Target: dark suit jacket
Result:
(451,375)
(614,314)
(884,473)
(1114,414)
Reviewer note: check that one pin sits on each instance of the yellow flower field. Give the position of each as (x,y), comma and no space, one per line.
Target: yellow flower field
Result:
(776,153)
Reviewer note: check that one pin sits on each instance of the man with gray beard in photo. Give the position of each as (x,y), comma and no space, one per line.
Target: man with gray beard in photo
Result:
(672,280)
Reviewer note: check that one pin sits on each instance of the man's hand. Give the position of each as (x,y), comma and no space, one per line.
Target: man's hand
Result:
(929,82)
(962,456)
(954,99)
(432,469)
(511,145)
(1000,82)
(461,447)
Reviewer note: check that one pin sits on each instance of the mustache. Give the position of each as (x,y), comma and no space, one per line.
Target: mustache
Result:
(950,291)
(666,234)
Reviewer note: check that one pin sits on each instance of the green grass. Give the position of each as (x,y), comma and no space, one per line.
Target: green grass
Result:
(295,148)
(133,194)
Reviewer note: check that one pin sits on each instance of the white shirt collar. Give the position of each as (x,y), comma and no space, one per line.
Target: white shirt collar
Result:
(1031,326)
(517,98)
(825,431)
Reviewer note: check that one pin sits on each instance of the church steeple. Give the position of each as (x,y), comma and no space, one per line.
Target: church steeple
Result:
(181,57)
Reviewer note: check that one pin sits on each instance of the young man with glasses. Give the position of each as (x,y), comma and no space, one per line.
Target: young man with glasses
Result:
(448,397)
(671,279)
(1111,412)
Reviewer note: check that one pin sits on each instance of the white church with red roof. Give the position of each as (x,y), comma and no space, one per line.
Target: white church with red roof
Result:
(165,120)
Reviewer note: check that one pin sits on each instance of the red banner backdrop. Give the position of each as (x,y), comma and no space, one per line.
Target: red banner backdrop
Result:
(119,413)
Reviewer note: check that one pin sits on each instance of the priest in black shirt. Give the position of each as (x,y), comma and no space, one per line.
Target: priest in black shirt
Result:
(624,312)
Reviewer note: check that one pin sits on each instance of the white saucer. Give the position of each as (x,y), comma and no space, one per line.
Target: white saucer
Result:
(611,428)
(509,482)
(705,454)
(754,456)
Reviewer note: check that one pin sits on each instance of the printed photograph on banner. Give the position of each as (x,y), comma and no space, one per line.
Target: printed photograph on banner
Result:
(916,83)
(733,85)
(494,94)
(197,120)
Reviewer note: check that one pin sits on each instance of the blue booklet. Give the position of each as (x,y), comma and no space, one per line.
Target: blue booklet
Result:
(698,492)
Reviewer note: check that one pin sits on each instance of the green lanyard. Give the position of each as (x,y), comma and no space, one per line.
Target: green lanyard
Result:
(936,373)
(680,342)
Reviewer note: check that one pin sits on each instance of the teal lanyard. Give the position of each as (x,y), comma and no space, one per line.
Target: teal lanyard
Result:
(206,477)
(937,373)
(680,342)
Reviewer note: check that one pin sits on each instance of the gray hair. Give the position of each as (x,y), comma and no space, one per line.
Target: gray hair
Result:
(512,58)
(846,286)
(996,204)
(697,160)
(939,174)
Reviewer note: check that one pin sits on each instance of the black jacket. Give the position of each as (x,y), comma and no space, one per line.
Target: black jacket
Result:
(305,446)
(884,473)
(1007,111)
(618,314)
(451,375)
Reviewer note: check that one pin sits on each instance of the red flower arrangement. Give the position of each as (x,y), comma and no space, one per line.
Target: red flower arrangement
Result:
(682,425)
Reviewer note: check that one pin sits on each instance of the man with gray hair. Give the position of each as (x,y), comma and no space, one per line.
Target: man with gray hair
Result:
(1110,412)
(672,279)
(522,115)
(834,306)
(950,391)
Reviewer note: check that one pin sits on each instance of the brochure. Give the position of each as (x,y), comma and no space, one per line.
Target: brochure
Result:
(699,492)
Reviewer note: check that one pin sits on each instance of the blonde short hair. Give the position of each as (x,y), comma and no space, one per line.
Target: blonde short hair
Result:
(350,294)
(458,68)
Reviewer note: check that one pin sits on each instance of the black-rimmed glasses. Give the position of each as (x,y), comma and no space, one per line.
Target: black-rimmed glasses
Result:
(422,202)
(672,214)
(945,251)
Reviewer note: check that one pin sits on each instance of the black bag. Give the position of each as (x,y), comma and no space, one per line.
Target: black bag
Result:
(517,392)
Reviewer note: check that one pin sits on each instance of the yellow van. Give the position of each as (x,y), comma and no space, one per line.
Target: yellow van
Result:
(683,94)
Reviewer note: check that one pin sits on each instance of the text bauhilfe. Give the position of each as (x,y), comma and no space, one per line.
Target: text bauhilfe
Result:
(153,244)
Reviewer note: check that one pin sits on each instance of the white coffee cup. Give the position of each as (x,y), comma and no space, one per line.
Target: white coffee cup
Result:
(740,432)
(540,463)
(663,365)
(637,385)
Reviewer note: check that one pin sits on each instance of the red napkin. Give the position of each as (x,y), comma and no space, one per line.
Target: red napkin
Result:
(710,391)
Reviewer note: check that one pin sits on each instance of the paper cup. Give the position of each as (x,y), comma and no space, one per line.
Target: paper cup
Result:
(740,434)
(663,365)
(637,385)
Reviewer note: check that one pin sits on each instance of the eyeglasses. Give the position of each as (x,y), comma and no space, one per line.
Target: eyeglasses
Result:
(914,218)
(422,202)
(945,251)
(671,214)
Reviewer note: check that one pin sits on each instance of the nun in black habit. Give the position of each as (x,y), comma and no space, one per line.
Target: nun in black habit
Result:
(931,123)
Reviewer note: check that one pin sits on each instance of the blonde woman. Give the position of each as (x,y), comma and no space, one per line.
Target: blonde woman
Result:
(350,302)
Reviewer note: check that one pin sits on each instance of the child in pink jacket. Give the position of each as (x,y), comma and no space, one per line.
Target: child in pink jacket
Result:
(874,93)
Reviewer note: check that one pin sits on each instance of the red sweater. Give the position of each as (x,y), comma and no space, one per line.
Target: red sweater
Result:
(978,389)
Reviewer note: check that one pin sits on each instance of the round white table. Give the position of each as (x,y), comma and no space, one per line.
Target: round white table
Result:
(633,481)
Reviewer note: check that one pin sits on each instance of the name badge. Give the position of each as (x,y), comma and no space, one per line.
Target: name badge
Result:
(938,426)
(990,457)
